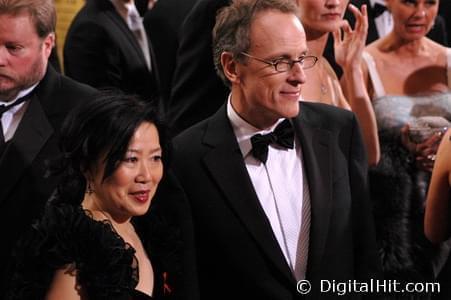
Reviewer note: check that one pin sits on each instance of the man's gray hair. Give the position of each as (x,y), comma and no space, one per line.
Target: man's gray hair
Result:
(232,29)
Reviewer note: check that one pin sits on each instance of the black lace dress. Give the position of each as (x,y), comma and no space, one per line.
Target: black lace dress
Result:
(106,266)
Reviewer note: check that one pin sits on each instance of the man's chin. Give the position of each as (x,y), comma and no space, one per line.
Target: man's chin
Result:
(7,95)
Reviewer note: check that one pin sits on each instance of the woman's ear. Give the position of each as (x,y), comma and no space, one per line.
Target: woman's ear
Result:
(89,177)
(230,67)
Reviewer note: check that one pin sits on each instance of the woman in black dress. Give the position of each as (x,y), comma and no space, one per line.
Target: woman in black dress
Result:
(95,238)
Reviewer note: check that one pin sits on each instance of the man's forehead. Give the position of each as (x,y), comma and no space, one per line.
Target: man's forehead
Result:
(274,28)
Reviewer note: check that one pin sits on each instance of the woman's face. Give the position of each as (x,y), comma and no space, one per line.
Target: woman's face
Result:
(129,190)
(413,19)
(322,16)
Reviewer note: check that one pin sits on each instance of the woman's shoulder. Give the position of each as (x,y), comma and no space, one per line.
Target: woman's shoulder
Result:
(64,235)
(375,47)
(436,46)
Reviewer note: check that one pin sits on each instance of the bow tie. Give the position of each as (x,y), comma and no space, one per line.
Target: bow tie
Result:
(4,108)
(283,136)
(378,9)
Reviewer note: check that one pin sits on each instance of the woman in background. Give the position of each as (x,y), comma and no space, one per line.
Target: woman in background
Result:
(408,77)
(319,18)
(436,222)
(94,241)
(437,215)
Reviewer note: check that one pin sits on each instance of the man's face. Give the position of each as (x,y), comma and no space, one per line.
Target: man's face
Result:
(23,55)
(260,94)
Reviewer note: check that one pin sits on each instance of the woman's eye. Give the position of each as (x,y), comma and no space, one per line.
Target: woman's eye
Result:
(131,159)
(157,158)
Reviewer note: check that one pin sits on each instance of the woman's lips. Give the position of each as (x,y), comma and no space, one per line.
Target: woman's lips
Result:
(416,27)
(331,16)
(141,196)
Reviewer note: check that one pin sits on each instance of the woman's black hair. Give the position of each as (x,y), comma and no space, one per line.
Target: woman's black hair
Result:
(101,129)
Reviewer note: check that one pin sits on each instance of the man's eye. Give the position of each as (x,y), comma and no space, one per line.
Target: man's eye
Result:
(282,62)
(410,2)
(13,48)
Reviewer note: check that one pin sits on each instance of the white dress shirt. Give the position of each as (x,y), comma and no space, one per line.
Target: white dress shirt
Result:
(384,22)
(12,117)
(280,189)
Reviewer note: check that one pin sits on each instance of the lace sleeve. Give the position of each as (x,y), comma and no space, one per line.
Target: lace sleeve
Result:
(106,265)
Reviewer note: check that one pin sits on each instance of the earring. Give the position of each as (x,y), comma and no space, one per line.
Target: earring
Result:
(89,189)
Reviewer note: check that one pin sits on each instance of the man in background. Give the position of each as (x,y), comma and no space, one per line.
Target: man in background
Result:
(34,101)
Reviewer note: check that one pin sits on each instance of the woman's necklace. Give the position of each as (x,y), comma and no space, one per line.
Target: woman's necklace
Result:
(128,230)
(322,78)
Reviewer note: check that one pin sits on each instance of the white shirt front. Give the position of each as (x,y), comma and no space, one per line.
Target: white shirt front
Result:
(384,22)
(12,117)
(279,187)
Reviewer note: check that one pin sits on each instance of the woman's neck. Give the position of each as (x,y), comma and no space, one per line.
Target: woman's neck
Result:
(316,42)
(93,204)
(121,225)
(403,48)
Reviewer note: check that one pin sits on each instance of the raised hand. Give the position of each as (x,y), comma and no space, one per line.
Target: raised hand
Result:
(349,43)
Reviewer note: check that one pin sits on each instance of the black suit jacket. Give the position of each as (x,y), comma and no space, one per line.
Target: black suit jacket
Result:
(163,24)
(237,254)
(197,92)
(100,50)
(23,166)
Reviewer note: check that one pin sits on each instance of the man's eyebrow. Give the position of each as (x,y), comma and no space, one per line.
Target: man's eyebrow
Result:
(287,56)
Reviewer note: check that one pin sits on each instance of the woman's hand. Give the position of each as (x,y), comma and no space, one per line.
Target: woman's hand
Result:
(349,47)
(423,152)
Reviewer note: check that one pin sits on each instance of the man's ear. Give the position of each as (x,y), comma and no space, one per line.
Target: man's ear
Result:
(48,43)
(230,67)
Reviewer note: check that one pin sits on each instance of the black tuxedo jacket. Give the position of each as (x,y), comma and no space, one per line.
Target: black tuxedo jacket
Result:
(23,165)
(197,92)
(237,254)
(100,50)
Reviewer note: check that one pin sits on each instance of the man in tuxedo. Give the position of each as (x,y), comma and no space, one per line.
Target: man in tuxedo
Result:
(34,100)
(276,188)
(107,46)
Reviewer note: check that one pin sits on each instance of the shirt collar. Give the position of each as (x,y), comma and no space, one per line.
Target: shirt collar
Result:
(125,9)
(243,130)
(381,2)
(19,95)
(373,2)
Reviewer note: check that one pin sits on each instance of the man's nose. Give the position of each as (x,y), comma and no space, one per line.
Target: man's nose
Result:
(297,73)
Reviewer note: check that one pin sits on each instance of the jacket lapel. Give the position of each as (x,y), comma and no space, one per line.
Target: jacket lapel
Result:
(317,163)
(117,20)
(33,132)
(226,165)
